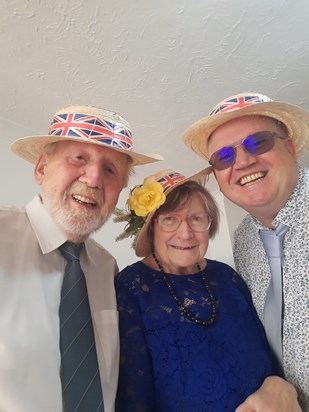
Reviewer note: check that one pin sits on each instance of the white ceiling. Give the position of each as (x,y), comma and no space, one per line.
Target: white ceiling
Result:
(161,64)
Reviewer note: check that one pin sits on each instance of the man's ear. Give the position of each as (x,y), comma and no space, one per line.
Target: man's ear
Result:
(291,147)
(214,173)
(39,170)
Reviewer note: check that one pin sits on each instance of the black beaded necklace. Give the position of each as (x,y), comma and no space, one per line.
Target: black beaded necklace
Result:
(181,306)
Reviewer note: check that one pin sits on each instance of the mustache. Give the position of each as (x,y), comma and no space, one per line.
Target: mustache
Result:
(84,190)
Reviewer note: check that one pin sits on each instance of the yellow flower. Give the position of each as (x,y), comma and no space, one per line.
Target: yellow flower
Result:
(146,198)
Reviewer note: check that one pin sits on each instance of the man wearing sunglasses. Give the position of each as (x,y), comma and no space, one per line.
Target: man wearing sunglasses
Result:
(253,144)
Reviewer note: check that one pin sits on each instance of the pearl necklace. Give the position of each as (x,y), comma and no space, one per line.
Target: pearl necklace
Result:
(181,306)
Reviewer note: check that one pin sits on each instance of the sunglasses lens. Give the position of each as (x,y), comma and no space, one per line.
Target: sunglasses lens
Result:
(223,158)
(256,144)
(259,143)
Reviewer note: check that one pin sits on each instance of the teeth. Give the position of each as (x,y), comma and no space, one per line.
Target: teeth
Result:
(83,199)
(182,248)
(252,178)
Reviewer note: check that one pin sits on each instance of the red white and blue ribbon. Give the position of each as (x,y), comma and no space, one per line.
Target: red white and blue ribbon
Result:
(170,180)
(91,127)
(238,102)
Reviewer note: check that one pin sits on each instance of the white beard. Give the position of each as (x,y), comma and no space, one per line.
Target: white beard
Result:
(77,225)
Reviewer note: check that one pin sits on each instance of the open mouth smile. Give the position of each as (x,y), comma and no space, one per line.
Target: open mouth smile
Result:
(251,179)
(84,200)
(183,248)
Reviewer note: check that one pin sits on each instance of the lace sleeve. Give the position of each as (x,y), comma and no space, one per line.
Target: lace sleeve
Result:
(135,387)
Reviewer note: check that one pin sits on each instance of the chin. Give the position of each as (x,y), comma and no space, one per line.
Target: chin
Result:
(80,225)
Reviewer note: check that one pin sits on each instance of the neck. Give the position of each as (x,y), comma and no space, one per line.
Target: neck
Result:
(266,221)
(154,262)
(263,215)
(181,303)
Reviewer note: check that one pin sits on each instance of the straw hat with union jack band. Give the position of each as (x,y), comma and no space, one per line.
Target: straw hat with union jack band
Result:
(296,120)
(88,124)
(146,199)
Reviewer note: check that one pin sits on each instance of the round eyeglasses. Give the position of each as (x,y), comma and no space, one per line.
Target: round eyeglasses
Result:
(255,144)
(196,222)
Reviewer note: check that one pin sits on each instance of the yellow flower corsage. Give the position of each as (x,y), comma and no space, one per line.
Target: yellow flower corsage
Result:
(144,199)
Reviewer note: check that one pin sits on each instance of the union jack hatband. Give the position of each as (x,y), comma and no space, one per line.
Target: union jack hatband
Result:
(151,197)
(170,179)
(88,124)
(295,119)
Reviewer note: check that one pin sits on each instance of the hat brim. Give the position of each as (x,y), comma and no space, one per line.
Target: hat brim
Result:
(142,241)
(30,148)
(296,120)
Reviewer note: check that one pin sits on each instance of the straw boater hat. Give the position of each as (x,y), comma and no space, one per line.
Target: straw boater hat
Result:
(88,124)
(145,199)
(293,117)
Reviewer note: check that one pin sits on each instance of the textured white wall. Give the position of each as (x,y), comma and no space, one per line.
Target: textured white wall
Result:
(161,64)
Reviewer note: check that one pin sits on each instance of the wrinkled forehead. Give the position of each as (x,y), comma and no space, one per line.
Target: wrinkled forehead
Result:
(98,150)
(235,130)
(179,200)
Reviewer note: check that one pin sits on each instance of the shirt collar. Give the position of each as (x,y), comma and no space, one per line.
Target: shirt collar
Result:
(48,234)
(295,202)
(287,214)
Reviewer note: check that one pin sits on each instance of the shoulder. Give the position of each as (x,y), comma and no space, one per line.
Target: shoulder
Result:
(133,276)
(247,224)
(224,274)
(12,220)
(218,269)
(301,190)
(129,272)
(305,172)
(93,244)
(304,179)
(97,252)
(246,235)
(11,211)
(215,265)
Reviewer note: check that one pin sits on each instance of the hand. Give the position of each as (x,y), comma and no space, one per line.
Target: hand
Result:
(275,395)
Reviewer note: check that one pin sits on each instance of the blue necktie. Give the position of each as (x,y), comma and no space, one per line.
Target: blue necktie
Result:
(273,309)
(81,384)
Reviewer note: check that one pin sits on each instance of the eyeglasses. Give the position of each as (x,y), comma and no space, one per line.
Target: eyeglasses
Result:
(197,223)
(255,144)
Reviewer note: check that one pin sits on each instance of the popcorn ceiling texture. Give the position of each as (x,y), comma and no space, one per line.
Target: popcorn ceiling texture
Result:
(161,64)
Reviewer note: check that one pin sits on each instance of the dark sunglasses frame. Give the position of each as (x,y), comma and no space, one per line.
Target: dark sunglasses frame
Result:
(254,144)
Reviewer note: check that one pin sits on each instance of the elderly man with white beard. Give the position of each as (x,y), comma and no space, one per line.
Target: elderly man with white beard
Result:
(59,344)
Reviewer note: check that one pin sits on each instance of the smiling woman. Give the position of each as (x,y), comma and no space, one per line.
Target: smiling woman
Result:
(188,327)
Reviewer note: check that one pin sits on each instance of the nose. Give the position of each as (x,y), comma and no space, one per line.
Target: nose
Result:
(243,158)
(184,230)
(92,175)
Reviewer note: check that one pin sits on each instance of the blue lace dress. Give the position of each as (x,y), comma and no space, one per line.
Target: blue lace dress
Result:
(170,364)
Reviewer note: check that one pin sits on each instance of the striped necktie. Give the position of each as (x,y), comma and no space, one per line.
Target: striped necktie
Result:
(81,384)
(273,309)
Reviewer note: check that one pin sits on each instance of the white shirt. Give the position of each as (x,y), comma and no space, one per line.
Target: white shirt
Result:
(31,272)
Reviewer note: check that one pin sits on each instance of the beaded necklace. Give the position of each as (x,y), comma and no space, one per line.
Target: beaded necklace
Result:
(181,306)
